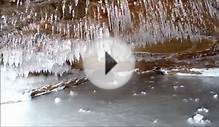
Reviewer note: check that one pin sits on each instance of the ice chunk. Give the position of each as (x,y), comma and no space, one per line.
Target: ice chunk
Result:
(197,99)
(155,121)
(152,87)
(57,100)
(198,119)
(175,87)
(181,86)
(84,110)
(202,110)
(140,93)
(143,92)
(94,91)
(215,96)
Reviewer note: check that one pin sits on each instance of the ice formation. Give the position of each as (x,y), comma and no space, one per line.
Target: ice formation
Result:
(42,35)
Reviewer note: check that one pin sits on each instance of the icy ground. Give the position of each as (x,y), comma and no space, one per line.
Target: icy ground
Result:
(148,99)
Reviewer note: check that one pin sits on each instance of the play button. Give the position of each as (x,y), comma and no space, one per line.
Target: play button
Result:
(108,63)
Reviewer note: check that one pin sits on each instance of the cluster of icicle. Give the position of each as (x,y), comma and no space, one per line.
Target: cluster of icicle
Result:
(41,35)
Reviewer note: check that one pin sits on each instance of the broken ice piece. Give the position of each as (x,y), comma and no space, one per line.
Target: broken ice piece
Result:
(181,86)
(139,94)
(215,96)
(94,91)
(143,93)
(155,121)
(175,87)
(198,119)
(185,100)
(197,99)
(202,110)
(57,100)
(84,110)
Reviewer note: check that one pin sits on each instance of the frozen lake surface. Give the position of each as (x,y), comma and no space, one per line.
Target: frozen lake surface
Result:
(147,100)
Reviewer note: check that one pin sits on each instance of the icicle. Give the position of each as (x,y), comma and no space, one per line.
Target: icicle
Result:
(76,2)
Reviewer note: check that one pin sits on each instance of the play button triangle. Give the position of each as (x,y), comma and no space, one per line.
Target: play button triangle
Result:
(109,63)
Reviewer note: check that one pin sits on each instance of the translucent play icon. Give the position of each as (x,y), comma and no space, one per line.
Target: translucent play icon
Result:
(108,63)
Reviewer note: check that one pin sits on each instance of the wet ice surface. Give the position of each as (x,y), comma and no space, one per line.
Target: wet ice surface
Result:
(158,103)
